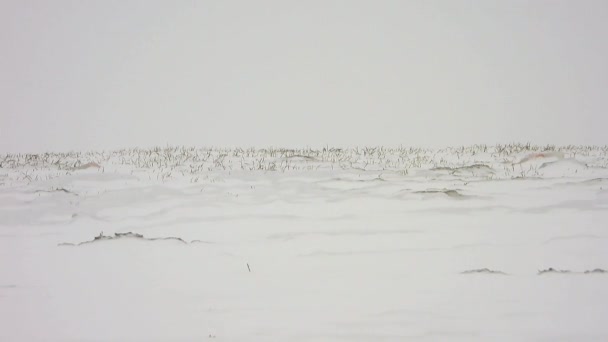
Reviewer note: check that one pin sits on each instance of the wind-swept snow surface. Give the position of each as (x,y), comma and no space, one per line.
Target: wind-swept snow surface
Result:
(363,244)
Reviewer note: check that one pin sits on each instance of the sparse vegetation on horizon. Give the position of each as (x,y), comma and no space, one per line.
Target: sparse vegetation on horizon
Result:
(196,163)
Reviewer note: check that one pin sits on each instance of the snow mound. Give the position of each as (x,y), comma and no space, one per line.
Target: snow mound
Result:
(556,155)
(563,167)
(475,170)
(448,192)
(91,165)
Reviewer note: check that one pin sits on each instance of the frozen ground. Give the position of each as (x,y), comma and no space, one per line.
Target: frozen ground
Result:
(305,245)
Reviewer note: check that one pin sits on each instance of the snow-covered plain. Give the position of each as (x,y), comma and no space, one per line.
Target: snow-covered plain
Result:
(359,244)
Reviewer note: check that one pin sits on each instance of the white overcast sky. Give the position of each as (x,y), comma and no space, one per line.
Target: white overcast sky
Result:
(80,75)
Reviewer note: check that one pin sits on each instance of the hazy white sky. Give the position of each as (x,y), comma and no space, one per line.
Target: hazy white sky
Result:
(106,74)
